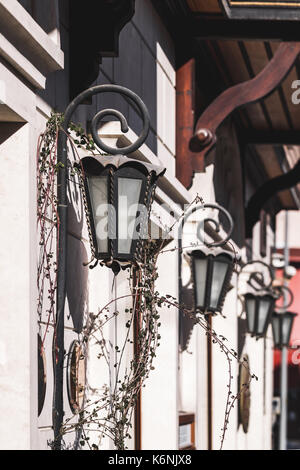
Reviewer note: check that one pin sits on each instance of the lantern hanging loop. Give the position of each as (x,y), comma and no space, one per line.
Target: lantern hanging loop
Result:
(97,119)
(112,112)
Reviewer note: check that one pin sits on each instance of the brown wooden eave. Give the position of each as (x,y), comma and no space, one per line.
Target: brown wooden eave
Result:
(228,52)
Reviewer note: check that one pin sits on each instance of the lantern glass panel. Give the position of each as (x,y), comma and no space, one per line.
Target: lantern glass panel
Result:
(220,269)
(287,321)
(129,190)
(276,329)
(200,280)
(98,195)
(250,310)
(263,312)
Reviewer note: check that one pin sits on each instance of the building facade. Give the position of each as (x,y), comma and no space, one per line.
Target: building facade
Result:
(44,64)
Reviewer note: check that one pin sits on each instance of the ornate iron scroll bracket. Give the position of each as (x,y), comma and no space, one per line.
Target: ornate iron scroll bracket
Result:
(265,192)
(62,158)
(185,323)
(257,277)
(201,224)
(233,98)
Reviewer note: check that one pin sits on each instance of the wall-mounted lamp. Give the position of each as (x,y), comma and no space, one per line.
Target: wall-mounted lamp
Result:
(282,324)
(118,197)
(211,266)
(118,190)
(211,272)
(259,308)
(106,180)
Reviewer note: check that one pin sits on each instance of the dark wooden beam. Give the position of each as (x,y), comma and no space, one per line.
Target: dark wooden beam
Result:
(265,10)
(257,137)
(175,16)
(264,194)
(182,23)
(94,33)
(243,30)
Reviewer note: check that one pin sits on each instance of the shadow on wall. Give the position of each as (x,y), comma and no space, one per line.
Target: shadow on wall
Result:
(77,273)
(37,8)
(186,324)
(136,67)
(7,129)
(242,331)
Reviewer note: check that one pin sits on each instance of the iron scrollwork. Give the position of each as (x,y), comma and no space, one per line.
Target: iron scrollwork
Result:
(257,278)
(216,223)
(124,126)
(186,325)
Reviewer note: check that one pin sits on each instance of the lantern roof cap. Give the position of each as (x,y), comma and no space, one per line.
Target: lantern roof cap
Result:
(282,314)
(214,251)
(261,293)
(118,161)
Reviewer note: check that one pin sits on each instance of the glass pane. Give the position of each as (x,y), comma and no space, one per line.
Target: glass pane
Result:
(219,272)
(129,190)
(200,280)
(250,310)
(98,195)
(286,328)
(276,329)
(263,310)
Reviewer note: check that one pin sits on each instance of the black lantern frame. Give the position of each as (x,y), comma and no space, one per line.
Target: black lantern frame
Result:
(212,252)
(211,301)
(259,308)
(112,169)
(208,250)
(282,324)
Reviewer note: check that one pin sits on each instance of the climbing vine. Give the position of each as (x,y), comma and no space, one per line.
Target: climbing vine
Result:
(47,221)
(110,414)
(47,214)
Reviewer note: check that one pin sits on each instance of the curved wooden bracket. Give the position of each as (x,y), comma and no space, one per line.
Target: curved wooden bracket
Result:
(265,192)
(234,97)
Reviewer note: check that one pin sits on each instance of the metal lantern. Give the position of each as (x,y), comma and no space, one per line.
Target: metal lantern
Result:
(259,308)
(212,271)
(282,324)
(118,197)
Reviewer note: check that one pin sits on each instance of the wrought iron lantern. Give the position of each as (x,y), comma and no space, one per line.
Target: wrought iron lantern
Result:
(118,196)
(282,324)
(212,271)
(260,305)
(120,176)
(118,191)
(259,308)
